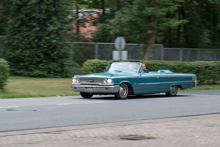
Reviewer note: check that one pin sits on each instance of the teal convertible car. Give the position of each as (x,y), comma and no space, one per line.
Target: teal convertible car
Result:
(127,78)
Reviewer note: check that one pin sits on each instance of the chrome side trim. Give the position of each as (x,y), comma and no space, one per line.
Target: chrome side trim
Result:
(148,77)
(165,82)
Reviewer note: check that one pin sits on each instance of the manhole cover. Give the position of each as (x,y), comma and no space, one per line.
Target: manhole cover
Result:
(137,137)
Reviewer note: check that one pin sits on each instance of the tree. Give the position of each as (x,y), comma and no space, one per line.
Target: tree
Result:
(201,30)
(139,21)
(36,37)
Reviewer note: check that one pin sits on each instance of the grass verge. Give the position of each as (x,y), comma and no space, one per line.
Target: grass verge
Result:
(37,88)
(25,78)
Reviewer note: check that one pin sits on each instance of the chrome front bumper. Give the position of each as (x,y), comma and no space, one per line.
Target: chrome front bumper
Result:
(96,89)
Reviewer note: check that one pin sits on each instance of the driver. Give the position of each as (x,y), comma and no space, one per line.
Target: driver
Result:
(144,68)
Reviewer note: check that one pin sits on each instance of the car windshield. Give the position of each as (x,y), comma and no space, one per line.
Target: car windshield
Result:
(132,67)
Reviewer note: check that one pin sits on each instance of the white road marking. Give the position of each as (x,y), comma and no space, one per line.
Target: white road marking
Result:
(9,107)
(86,103)
(163,99)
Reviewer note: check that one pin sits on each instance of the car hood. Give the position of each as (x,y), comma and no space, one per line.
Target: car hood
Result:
(105,75)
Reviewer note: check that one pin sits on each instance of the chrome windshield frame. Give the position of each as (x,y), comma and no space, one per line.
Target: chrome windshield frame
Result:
(126,63)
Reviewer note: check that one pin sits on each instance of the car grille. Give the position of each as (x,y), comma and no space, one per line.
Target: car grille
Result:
(91,81)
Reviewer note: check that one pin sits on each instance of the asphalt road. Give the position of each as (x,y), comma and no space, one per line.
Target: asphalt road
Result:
(33,113)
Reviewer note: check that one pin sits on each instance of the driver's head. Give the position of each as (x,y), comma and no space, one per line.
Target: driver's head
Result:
(143,66)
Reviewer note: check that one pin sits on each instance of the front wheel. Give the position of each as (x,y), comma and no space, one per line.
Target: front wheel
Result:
(122,92)
(86,95)
(173,91)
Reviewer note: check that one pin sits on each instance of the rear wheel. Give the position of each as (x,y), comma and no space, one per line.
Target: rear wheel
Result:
(86,95)
(173,91)
(123,91)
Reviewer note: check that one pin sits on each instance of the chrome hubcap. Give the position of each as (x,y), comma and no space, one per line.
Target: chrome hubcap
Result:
(123,90)
(173,90)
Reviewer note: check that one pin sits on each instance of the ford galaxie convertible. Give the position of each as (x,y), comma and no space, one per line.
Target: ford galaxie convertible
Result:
(127,78)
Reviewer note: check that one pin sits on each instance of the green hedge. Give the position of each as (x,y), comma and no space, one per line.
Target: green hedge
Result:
(97,66)
(208,72)
(4,72)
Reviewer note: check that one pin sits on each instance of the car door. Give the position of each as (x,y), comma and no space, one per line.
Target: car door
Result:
(148,83)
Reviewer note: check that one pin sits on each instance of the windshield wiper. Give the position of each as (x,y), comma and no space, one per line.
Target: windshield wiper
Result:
(119,71)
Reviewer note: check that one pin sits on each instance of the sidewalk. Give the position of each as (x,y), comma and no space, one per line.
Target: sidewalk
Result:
(193,131)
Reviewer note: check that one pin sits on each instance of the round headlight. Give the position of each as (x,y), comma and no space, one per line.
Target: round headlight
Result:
(74,80)
(109,81)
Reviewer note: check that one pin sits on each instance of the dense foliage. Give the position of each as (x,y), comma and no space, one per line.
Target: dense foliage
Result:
(178,23)
(4,73)
(202,29)
(36,37)
(181,23)
(36,29)
(207,72)
(94,66)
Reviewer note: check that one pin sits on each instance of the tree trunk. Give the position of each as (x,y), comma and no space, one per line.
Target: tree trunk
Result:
(150,47)
(184,27)
(170,43)
(150,39)
(103,7)
(178,27)
(77,17)
(214,24)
